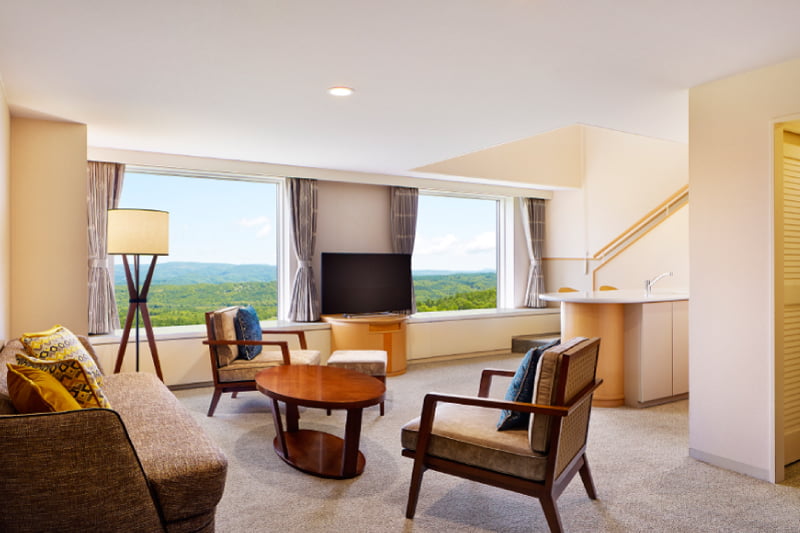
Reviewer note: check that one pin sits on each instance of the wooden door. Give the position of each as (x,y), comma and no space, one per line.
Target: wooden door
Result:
(790,320)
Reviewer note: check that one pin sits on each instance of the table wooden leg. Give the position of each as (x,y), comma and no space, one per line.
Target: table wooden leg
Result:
(280,438)
(292,416)
(352,436)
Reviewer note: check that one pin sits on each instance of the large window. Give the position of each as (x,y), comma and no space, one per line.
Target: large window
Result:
(223,245)
(455,260)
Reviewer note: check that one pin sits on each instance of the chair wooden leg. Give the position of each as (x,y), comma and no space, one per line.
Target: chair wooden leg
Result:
(381,408)
(329,412)
(214,400)
(551,513)
(235,394)
(586,477)
(413,489)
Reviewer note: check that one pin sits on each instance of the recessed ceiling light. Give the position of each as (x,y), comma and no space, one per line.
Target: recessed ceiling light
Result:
(340,91)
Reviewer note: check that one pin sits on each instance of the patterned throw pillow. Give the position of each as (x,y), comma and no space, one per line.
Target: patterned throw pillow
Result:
(248,328)
(60,344)
(35,391)
(73,377)
(521,388)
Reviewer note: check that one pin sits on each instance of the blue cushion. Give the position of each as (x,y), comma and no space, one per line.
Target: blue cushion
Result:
(247,328)
(521,388)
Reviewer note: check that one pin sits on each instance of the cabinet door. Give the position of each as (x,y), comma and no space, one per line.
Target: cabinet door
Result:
(680,347)
(656,339)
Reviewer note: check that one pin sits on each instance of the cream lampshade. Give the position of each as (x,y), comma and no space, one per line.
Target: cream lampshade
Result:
(138,232)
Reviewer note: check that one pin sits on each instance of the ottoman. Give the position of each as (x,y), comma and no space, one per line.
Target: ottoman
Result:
(370,362)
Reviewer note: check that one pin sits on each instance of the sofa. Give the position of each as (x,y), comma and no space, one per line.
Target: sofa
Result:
(143,465)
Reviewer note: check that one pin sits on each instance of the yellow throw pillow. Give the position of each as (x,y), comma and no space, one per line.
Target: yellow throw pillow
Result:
(59,343)
(36,391)
(73,376)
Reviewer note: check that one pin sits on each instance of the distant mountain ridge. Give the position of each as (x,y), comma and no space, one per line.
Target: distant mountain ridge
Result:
(190,273)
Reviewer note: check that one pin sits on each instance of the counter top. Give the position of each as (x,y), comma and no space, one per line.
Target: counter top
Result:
(623,296)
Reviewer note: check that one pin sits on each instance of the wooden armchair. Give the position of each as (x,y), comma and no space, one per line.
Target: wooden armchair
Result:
(458,435)
(232,374)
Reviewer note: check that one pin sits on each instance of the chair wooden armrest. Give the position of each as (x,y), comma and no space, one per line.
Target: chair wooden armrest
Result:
(283,344)
(486,379)
(301,335)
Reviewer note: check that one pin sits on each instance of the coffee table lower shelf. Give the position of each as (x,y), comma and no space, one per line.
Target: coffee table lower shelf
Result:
(317,453)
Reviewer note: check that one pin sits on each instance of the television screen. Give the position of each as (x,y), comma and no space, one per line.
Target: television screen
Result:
(363,283)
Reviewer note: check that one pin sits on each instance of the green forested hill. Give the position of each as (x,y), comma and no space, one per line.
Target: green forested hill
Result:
(179,305)
(186,291)
(184,273)
(451,292)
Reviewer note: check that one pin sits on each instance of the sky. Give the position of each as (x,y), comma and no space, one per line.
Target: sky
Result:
(452,233)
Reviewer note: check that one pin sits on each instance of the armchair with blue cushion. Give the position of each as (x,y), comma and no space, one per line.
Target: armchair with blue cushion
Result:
(239,351)
(468,437)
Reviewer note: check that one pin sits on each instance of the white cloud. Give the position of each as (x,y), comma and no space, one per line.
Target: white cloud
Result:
(251,222)
(262,224)
(436,245)
(483,242)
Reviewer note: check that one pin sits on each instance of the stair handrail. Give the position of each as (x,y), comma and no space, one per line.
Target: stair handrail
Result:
(644,224)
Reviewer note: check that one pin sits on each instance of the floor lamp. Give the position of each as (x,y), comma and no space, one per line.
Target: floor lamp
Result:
(138,232)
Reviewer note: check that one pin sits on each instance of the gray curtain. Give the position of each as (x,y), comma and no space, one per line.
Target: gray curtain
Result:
(533,222)
(304,306)
(104,189)
(403,208)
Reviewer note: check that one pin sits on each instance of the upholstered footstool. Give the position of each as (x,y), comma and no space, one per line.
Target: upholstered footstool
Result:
(370,362)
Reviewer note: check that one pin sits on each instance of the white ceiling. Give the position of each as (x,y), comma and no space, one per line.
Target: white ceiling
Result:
(434,79)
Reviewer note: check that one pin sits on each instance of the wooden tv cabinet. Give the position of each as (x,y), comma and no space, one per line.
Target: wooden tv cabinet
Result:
(376,332)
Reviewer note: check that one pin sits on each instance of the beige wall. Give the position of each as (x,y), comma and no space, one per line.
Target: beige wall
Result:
(5,218)
(625,176)
(361,226)
(732,367)
(48,226)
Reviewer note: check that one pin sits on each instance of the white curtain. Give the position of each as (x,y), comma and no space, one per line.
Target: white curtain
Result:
(103,192)
(304,305)
(533,222)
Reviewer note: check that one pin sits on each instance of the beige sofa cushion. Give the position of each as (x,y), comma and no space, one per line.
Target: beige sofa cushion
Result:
(244,370)
(469,435)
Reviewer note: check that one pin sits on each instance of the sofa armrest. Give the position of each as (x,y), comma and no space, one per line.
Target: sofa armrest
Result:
(72,471)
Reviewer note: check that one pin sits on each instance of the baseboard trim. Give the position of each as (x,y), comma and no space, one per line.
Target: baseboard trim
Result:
(729,464)
(453,357)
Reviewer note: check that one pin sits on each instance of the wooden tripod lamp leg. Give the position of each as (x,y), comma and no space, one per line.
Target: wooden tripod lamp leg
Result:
(138,302)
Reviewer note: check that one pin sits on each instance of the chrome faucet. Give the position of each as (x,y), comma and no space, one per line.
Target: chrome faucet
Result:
(648,283)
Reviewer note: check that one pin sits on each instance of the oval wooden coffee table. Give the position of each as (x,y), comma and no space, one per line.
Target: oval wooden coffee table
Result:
(317,452)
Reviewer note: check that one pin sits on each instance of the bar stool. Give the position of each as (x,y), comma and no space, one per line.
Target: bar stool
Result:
(370,362)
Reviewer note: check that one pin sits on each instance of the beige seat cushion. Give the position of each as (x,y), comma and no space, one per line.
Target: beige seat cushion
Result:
(370,362)
(468,434)
(244,370)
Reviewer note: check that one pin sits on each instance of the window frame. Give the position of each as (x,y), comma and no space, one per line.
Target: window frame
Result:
(281,239)
(504,244)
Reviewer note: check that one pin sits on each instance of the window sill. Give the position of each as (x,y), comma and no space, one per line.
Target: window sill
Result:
(478,314)
(198,331)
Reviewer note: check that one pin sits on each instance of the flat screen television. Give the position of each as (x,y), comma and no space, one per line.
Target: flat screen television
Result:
(365,283)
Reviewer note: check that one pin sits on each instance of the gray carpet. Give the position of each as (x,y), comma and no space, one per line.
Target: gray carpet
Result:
(644,477)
